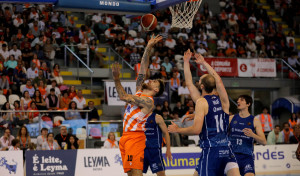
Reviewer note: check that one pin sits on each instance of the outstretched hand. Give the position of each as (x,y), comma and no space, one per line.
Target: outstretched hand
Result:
(187,55)
(154,39)
(199,58)
(173,128)
(115,70)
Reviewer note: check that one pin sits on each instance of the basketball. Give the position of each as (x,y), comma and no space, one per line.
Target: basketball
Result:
(148,22)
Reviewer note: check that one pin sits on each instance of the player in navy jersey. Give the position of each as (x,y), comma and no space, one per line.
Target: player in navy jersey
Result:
(243,130)
(155,130)
(211,123)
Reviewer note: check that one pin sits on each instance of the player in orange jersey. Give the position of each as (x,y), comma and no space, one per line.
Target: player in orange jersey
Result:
(140,106)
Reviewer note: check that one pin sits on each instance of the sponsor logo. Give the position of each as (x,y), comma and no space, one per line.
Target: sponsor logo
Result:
(48,164)
(12,168)
(248,167)
(288,165)
(216,102)
(235,122)
(109,3)
(243,67)
(267,155)
(118,159)
(96,162)
(217,109)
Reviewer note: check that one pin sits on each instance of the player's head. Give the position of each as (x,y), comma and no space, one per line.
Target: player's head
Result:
(157,86)
(244,102)
(207,83)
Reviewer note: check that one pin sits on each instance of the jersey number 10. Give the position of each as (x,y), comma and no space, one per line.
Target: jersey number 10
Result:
(219,123)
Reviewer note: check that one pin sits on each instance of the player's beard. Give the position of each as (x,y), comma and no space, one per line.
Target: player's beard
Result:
(145,86)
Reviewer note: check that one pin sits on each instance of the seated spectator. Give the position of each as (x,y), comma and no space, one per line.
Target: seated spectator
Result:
(168,66)
(24,138)
(80,100)
(46,71)
(36,61)
(64,101)
(29,88)
(25,100)
(179,109)
(32,72)
(222,44)
(50,144)
(53,86)
(6,139)
(27,53)
(15,145)
(42,88)
(6,118)
(158,109)
(41,138)
(39,100)
(11,63)
(286,133)
(49,49)
(230,51)
(72,115)
(40,77)
(19,117)
(4,85)
(31,146)
(275,136)
(135,57)
(294,120)
(33,117)
(19,74)
(72,143)
(175,137)
(175,84)
(201,49)
(72,92)
(154,68)
(63,137)
(4,53)
(295,139)
(294,62)
(52,100)
(183,92)
(170,42)
(111,142)
(38,41)
(56,75)
(93,114)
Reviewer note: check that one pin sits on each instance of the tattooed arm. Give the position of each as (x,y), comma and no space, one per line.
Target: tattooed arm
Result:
(143,102)
(145,60)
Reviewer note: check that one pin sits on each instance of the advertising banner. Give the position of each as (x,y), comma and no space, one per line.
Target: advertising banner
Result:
(112,94)
(257,67)
(11,163)
(223,66)
(95,162)
(51,162)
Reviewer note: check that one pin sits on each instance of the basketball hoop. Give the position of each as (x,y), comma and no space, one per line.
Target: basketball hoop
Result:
(183,13)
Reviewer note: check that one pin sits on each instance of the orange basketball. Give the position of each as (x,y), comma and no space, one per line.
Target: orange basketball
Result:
(148,22)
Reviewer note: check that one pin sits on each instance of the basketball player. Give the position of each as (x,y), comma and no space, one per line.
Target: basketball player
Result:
(243,129)
(140,105)
(155,130)
(210,123)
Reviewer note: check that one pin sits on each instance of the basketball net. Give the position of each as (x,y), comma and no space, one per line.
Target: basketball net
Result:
(183,13)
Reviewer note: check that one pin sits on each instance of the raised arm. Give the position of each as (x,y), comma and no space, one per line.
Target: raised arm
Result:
(145,60)
(162,125)
(219,83)
(196,128)
(194,92)
(143,102)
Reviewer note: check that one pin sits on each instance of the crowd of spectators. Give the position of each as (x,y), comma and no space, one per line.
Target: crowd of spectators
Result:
(32,37)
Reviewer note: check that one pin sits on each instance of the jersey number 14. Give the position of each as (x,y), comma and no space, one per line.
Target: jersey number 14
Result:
(219,123)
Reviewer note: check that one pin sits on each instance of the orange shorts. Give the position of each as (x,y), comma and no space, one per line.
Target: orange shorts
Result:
(132,145)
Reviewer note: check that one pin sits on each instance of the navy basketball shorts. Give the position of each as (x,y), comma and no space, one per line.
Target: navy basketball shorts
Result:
(246,163)
(216,161)
(153,158)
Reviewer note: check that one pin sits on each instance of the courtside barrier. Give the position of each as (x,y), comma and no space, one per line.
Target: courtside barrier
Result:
(94,162)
